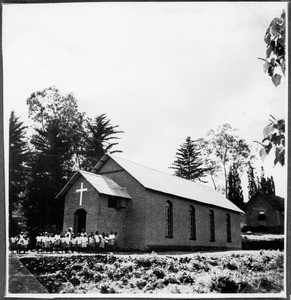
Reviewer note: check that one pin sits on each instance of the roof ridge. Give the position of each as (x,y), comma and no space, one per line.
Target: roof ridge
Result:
(162,172)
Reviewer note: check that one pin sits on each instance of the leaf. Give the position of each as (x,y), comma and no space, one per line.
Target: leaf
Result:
(276,79)
(269,51)
(268,148)
(279,156)
(267,37)
(268,130)
(263,154)
(271,71)
(266,66)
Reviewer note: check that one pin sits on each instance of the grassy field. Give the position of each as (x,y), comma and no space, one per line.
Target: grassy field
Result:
(249,272)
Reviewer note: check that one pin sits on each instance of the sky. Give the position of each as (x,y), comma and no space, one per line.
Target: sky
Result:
(161,71)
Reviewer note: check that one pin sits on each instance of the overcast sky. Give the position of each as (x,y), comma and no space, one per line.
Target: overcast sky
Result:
(161,71)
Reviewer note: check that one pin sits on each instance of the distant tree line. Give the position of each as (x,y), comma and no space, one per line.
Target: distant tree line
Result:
(43,157)
(222,156)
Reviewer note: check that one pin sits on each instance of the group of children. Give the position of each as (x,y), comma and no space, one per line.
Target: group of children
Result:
(59,242)
(19,243)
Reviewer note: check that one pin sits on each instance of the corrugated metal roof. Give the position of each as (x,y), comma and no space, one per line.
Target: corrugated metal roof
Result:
(102,184)
(170,184)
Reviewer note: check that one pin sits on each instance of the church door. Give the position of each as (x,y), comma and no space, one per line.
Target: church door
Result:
(80,220)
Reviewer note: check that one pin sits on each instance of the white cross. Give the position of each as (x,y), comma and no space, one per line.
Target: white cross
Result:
(81,190)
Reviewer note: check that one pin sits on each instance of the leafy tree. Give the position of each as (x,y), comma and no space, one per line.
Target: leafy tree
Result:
(18,156)
(252,186)
(275,54)
(99,139)
(227,149)
(188,163)
(274,138)
(234,189)
(48,105)
(274,132)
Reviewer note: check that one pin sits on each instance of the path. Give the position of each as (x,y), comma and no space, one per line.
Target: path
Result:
(21,281)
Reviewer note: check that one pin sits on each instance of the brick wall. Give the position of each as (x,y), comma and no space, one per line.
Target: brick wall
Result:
(156,223)
(259,204)
(135,210)
(99,216)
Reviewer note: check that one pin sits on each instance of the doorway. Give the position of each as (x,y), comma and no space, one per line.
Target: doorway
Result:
(80,220)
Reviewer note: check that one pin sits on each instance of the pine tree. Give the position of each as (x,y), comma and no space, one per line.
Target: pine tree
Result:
(266,185)
(188,163)
(98,140)
(18,156)
(234,191)
(48,176)
(252,187)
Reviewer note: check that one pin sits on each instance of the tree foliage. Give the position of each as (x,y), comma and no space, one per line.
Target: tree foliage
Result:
(100,138)
(275,54)
(48,174)
(227,148)
(18,156)
(266,185)
(252,185)
(274,132)
(48,105)
(63,140)
(234,189)
(274,138)
(188,163)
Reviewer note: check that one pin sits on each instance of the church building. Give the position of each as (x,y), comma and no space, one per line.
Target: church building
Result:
(149,209)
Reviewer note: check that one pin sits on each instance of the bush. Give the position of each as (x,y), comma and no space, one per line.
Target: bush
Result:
(258,244)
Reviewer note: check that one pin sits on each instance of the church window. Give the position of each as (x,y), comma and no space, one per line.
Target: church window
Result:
(212,226)
(112,202)
(228,229)
(192,223)
(169,219)
(262,216)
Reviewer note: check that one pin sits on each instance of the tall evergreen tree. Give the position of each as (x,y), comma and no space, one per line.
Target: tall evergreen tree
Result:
(100,138)
(266,185)
(252,187)
(48,176)
(234,191)
(188,163)
(18,156)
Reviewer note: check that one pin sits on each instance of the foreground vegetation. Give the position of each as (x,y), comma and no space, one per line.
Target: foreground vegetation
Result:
(258,272)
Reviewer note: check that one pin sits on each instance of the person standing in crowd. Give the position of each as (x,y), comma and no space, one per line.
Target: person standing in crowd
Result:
(111,238)
(97,239)
(57,242)
(91,243)
(20,242)
(84,239)
(102,242)
(13,243)
(73,243)
(79,242)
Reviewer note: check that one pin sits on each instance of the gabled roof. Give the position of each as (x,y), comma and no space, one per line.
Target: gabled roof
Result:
(170,184)
(276,201)
(102,184)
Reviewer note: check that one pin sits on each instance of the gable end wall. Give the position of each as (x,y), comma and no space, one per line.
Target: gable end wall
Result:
(134,224)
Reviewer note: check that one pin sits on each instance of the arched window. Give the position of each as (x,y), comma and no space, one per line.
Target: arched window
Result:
(261,216)
(169,219)
(212,226)
(228,229)
(192,223)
